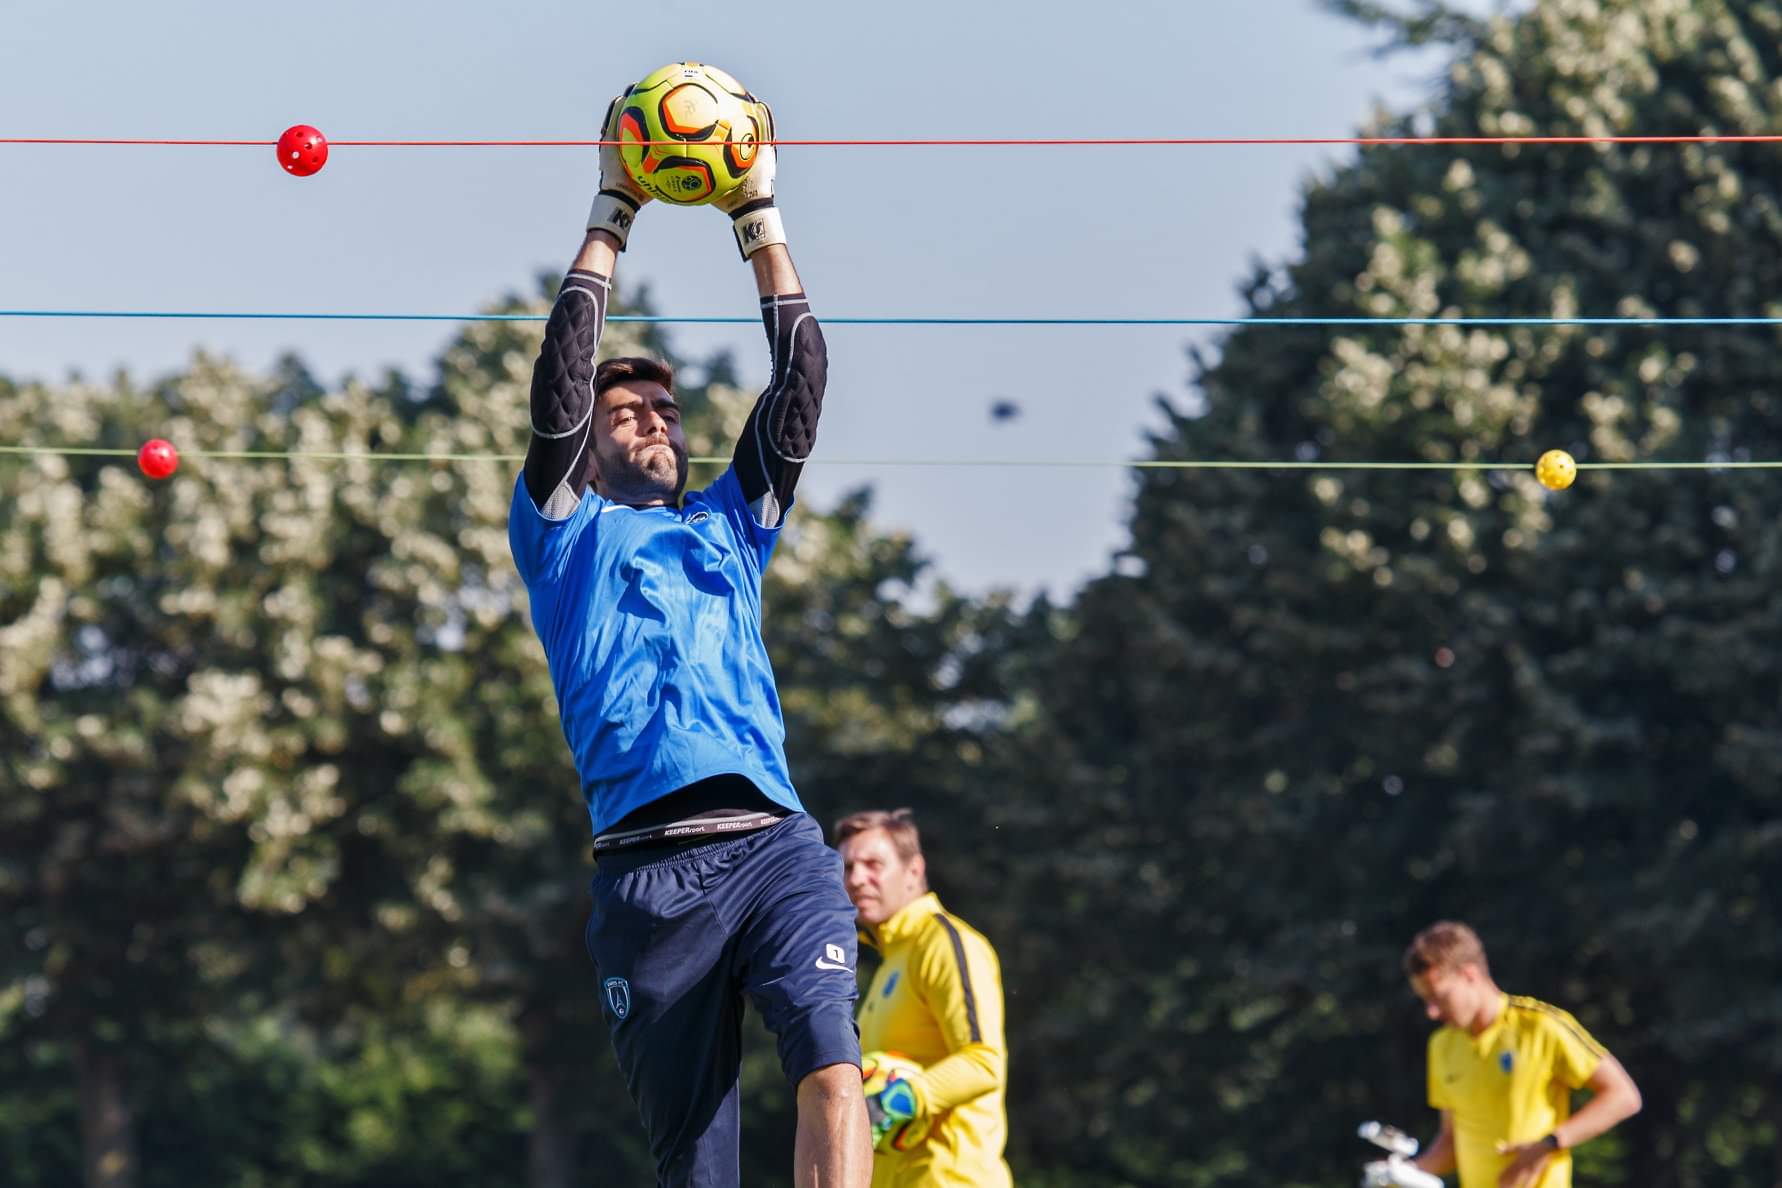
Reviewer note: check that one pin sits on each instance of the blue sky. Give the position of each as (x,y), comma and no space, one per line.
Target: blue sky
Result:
(1143,232)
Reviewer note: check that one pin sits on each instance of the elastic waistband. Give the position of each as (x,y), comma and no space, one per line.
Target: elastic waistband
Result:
(611,863)
(675,834)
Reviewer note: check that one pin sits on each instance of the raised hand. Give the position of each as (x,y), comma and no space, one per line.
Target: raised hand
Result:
(750,206)
(619,198)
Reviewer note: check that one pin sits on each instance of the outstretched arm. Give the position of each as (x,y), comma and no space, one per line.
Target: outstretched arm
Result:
(782,427)
(563,380)
(563,377)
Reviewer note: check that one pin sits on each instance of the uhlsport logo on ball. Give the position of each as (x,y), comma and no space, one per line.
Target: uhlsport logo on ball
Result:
(689,132)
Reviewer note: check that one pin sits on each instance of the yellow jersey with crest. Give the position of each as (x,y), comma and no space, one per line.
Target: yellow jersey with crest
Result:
(937,999)
(1511,1083)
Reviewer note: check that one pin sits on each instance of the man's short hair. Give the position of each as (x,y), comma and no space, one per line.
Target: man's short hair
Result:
(1446,944)
(899,825)
(614,372)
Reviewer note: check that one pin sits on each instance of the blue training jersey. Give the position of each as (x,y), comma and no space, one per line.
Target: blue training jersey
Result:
(651,622)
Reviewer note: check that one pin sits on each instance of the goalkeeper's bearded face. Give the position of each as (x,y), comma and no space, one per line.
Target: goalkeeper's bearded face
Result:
(639,453)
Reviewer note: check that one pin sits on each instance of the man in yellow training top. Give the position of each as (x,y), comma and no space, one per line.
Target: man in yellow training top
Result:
(937,1000)
(1502,1070)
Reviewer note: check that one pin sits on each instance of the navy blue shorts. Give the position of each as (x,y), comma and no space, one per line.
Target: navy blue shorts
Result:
(679,938)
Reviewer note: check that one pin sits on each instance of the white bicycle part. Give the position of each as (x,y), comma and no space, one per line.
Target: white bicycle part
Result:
(1388,1138)
(1395,1171)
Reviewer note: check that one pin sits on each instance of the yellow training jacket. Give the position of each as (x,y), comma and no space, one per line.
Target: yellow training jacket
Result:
(937,999)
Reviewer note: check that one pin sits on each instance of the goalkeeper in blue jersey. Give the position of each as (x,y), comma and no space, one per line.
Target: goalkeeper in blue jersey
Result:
(712,885)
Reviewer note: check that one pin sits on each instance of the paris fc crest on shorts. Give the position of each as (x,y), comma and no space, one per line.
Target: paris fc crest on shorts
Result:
(618,996)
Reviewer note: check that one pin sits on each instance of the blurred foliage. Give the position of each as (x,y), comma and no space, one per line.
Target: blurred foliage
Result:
(293,866)
(1310,714)
(283,775)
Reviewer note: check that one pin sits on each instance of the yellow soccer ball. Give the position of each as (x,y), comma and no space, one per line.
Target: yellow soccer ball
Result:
(689,132)
(881,1071)
(1556,470)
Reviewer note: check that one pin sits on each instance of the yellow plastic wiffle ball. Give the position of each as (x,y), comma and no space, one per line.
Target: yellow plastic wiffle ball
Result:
(1556,470)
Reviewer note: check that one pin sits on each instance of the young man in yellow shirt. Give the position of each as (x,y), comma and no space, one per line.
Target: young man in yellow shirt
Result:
(1502,1070)
(935,999)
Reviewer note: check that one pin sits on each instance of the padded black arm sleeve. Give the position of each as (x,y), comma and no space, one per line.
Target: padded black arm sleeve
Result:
(782,428)
(563,395)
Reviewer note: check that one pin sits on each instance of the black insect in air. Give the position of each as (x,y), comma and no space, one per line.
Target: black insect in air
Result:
(1004,410)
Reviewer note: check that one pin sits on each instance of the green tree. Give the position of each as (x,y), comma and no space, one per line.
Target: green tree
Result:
(202,726)
(303,703)
(1313,713)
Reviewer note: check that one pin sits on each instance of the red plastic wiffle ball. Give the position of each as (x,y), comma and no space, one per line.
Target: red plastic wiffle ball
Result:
(302,150)
(157,458)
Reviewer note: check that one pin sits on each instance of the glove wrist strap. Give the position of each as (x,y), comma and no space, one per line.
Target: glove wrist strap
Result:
(613,212)
(757,225)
